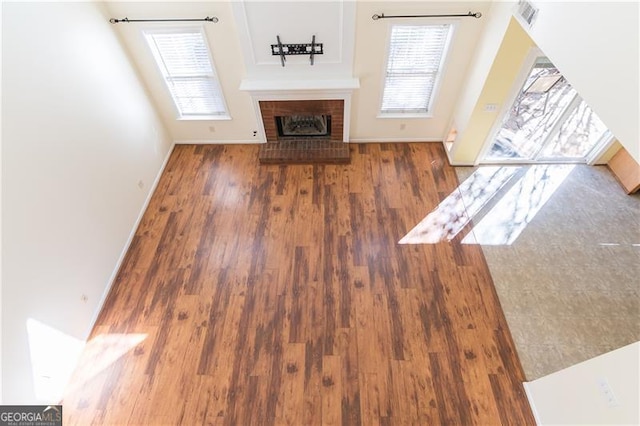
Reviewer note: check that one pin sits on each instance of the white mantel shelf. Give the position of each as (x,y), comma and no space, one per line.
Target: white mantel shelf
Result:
(256,86)
(298,89)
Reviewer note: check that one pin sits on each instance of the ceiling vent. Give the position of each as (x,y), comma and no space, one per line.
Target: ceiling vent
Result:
(527,12)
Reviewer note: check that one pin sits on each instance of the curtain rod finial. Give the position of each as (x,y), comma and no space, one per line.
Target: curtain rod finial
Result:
(375,17)
(476,15)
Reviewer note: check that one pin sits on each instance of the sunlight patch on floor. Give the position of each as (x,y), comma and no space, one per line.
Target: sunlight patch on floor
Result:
(511,215)
(100,353)
(455,211)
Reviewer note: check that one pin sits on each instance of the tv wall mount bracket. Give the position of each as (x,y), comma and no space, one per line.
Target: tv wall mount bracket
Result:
(283,50)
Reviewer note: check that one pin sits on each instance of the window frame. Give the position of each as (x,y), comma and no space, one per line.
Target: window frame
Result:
(444,59)
(149,32)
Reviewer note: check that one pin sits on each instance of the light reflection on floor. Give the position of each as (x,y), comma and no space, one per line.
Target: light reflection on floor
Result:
(55,355)
(511,215)
(100,353)
(505,220)
(455,211)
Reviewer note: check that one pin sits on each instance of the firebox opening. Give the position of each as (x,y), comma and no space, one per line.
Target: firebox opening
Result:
(303,125)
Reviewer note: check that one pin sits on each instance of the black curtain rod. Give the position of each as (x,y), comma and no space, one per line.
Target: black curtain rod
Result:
(462,15)
(207,19)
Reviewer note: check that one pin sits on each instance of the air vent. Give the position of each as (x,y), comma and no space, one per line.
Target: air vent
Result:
(527,12)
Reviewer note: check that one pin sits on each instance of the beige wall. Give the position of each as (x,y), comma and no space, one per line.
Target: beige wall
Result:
(603,390)
(497,88)
(79,136)
(227,56)
(595,45)
(370,56)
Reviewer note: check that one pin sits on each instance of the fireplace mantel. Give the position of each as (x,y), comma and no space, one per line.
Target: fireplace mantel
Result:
(298,90)
(276,86)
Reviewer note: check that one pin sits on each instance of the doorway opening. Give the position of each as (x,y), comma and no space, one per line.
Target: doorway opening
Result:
(548,122)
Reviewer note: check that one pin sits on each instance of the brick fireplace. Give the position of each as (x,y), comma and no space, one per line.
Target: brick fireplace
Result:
(330,110)
(302,121)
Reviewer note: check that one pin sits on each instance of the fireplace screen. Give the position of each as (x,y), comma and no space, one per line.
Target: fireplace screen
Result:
(303,125)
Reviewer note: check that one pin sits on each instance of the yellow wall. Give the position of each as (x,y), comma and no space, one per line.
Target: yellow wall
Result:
(506,66)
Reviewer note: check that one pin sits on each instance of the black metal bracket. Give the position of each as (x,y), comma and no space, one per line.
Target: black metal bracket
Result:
(310,49)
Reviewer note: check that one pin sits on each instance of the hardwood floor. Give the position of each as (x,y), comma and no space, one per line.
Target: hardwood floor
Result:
(271,294)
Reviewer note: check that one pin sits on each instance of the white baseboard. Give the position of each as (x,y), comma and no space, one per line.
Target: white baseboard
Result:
(457,163)
(393,140)
(532,404)
(461,164)
(257,142)
(218,142)
(116,269)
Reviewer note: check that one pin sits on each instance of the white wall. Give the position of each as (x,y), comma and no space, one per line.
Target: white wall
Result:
(594,44)
(226,51)
(78,135)
(332,22)
(596,47)
(240,45)
(497,20)
(369,63)
(1,398)
(603,390)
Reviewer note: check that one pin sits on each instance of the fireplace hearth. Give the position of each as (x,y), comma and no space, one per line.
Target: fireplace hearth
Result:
(303,131)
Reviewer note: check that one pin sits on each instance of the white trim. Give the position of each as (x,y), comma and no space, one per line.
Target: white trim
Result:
(525,162)
(516,88)
(132,234)
(393,140)
(453,28)
(218,142)
(348,34)
(446,151)
(215,77)
(602,146)
(277,86)
(403,115)
(451,161)
(204,118)
(240,15)
(342,55)
(301,90)
(590,158)
(532,404)
(461,164)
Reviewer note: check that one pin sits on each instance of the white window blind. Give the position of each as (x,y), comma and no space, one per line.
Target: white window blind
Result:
(416,55)
(183,58)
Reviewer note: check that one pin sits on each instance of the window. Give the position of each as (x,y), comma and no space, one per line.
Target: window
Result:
(183,58)
(416,55)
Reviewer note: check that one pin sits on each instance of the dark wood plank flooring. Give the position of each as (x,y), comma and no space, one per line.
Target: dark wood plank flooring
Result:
(277,294)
